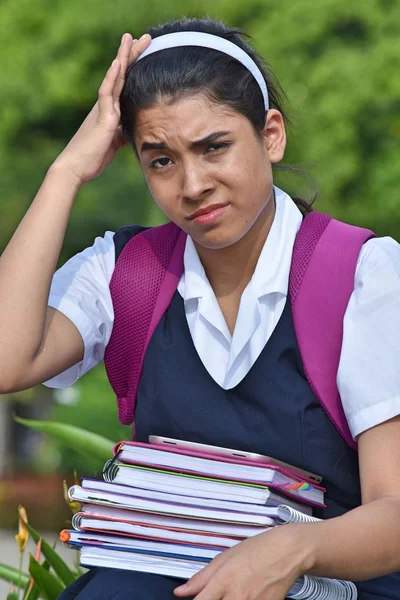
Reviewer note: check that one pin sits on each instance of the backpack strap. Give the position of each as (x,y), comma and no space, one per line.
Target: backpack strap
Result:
(144,280)
(321,282)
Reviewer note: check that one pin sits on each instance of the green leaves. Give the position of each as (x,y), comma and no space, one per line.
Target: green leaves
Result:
(50,586)
(81,441)
(54,560)
(13,575)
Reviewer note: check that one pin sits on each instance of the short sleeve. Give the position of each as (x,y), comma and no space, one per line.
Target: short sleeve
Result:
(80,290)
(369,370)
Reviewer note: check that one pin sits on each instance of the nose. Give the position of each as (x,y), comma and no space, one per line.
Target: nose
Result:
(196,182)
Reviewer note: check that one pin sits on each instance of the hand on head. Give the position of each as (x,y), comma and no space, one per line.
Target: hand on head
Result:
(94,145)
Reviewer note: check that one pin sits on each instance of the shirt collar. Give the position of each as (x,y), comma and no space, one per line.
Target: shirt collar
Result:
(271,274)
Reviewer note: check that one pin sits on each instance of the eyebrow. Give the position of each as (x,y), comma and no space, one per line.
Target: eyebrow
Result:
(212,137)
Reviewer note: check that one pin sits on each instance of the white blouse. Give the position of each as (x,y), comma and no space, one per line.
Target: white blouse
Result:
(369,371)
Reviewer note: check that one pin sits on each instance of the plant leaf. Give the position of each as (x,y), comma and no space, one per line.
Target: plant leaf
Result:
(59,566)
(32,591)
(12,596)
(50,586)
(13,575)
(82,441)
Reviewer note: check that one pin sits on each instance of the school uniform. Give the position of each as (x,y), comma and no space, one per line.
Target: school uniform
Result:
(247,390)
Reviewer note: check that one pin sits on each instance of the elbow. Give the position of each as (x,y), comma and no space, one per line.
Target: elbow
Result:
(7,387)
(10,382)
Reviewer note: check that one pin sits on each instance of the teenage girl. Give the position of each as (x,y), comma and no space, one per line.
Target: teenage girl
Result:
(223,366)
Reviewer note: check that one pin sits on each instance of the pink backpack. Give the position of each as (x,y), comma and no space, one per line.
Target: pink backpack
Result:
(320,285)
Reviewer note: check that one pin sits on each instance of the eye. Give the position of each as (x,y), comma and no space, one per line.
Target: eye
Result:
(216,147)
(161,162)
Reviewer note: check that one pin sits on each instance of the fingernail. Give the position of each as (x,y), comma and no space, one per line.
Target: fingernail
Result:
(181,588)
(145,35)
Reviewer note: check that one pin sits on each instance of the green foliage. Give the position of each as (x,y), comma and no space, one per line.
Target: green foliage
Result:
(53,559)
(336,60)
(79,440)
(13,575)
(96,411)
(50,587)
(53,575)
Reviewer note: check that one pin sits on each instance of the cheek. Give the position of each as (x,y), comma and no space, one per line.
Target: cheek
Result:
(253,180)
(164,194)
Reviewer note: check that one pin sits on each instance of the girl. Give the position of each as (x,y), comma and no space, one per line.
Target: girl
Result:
(223,366)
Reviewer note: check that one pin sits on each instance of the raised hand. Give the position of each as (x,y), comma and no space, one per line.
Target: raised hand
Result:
(99,137)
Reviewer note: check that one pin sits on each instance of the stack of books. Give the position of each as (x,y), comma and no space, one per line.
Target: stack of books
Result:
(170,511)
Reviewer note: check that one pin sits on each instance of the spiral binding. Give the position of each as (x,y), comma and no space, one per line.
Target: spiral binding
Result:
(320,588)
(287,514)
(110,470)
(76,521)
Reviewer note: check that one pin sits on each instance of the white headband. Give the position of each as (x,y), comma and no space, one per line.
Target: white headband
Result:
(206,40)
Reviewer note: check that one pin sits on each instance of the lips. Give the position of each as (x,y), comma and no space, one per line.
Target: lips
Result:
(205,210)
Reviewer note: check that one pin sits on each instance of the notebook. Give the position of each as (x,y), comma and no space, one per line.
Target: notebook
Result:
(192,500)
(189,461)
(224,529)
(304,588)
(79,539)
(187,484)
(77,493)
(132,529)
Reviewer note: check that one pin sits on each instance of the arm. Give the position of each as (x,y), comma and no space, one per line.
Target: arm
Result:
(362,544)
(30,331)
(365,542)
(38,342)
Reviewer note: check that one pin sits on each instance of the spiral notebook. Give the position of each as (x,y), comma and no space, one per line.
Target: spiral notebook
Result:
(170,507)
(159,520)
(305,588)
(193,485)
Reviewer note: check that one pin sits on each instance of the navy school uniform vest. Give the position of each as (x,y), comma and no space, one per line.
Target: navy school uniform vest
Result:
(272,411)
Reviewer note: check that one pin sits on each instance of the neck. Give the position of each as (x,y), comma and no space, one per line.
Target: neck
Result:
(230,269)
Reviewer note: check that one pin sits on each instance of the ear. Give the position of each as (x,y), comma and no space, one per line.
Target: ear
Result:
(274,134)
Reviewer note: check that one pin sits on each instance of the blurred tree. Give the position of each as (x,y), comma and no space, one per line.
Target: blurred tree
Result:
(336,60)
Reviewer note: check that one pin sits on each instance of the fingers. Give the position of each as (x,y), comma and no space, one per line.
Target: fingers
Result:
(113,82)
(123,54)
(106,100)
(138,47)
(197,583)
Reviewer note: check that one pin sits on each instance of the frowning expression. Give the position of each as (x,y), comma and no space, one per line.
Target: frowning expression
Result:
(206,168)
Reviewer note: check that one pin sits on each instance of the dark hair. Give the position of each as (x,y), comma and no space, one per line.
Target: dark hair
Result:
(175,72)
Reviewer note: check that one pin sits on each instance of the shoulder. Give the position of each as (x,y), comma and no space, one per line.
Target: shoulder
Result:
(99,258)
(379,254)
(368,376)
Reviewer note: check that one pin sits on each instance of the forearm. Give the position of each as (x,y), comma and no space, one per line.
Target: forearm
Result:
(361,544)
(26,269)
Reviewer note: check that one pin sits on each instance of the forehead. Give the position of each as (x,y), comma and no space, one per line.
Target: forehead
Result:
(186,119)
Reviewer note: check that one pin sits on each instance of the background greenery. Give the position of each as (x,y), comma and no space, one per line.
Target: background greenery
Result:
(337,60)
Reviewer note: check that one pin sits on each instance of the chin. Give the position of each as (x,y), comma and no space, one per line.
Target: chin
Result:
(216,239)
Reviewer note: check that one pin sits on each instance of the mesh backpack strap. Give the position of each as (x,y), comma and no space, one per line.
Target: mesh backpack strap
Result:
(321,282)
(145,278)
